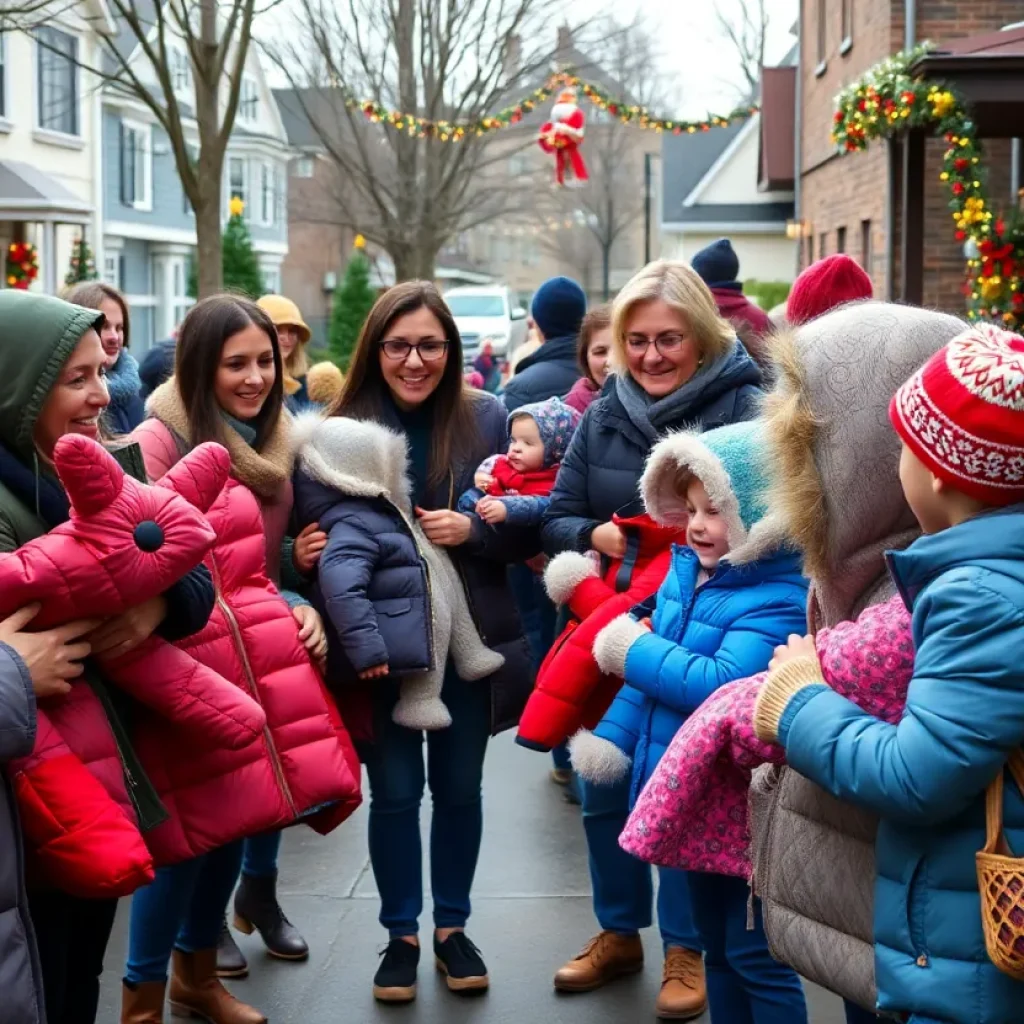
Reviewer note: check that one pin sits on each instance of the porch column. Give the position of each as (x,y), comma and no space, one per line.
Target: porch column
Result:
(49,257)
(912,255)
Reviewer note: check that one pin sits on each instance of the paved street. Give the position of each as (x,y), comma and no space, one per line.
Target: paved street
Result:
(532,911)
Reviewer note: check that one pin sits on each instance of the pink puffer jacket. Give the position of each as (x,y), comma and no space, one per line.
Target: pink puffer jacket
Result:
(692,814)
(303,765)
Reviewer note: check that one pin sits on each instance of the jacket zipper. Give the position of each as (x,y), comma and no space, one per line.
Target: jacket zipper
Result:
(250,677)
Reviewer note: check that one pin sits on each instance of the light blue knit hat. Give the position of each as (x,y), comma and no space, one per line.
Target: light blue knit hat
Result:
(729,461)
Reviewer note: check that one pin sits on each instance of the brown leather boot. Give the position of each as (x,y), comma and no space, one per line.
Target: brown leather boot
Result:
(195,991)
(605,957)
(143,1003)
(683,993)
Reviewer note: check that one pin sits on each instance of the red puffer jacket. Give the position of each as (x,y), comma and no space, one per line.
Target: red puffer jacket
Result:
(303,765)
(123,544)
(571,692)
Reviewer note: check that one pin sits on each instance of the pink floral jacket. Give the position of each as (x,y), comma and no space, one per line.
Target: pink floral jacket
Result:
(692,813)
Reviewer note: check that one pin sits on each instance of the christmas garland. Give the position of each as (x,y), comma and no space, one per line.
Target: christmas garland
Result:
(22,265)
(887,101)
(627,113)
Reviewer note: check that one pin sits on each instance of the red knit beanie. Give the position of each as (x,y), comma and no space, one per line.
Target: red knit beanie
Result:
(962,414)
(825,285)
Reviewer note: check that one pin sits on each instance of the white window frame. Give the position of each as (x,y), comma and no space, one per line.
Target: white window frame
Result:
(268,194)
(272,280)
(112,268)
(181,72)
(242,193)
(180,301)
(249,100)
(304,167)
(138,131)
(44,51)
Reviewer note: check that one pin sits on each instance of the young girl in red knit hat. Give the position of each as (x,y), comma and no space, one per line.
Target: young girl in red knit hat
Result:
(961,420)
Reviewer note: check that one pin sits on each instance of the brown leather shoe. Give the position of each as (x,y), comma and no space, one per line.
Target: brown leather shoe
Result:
(143,1003)
(605,957)
(683,993)
(196,992)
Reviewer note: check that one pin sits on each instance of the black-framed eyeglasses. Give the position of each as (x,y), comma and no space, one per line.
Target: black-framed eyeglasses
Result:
(666,344)
(429,351)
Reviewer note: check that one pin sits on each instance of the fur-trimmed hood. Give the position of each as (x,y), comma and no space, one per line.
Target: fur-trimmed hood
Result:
(730,462)
(265,471)
(360,458)
(833,456)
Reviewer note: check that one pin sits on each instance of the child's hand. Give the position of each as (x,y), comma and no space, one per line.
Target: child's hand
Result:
(311,631)
(482,480)
(796,647)
(377,672)
(309,546)
(491,510)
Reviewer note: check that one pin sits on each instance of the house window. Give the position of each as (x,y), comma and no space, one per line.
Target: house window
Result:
(821,38)
(136,165)
(236,181)
(112,269)
(249,101)
(280,195)
(822,245)
(841,239)
(180,302)
(3,74)
(57,71)
(865,245)
(847,26)
(268,196)
(810,249)
(272,280)
(303,167)
(186,203)
(181,71)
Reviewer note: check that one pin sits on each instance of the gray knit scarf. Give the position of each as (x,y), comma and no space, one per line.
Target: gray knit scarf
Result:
(652,417)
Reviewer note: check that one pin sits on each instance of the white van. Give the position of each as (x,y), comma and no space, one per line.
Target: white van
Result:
(487,313)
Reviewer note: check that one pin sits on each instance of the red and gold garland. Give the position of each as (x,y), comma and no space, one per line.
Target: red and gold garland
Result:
(887,101)
(22,265)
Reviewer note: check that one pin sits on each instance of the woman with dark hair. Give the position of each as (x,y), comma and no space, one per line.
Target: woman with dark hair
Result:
(406,376)
(126,410)
(594,355)
(228,388)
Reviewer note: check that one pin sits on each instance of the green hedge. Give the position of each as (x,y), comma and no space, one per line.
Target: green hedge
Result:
(767,294)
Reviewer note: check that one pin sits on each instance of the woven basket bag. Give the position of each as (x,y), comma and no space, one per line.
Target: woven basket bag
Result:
(1001,881)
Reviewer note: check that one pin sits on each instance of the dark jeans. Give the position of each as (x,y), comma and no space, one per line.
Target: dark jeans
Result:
(855,1015)
(259,859)
(183,908)
(72,936)
(454,769)
(745,984)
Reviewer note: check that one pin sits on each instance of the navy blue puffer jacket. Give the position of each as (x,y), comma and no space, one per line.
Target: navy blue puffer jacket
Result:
(602,468)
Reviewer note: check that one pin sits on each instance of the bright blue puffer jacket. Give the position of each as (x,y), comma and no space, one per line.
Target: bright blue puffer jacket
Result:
(927,776)
(702,637)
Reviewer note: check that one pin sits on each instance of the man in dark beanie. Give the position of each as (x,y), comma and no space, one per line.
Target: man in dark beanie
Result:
(558,308)
(719,268)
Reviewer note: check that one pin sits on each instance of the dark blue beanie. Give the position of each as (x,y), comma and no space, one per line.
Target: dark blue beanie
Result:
(558,308)
(717,264)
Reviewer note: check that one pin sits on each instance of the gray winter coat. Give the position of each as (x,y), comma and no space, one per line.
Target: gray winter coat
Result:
(21,983)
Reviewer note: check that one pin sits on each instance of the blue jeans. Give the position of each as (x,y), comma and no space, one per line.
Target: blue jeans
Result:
(183,908)
(622,886)
(454,769)
(745,984)
(259,859)
(536,611)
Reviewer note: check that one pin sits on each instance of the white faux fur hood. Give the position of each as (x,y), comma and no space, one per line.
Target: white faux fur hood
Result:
(356,457)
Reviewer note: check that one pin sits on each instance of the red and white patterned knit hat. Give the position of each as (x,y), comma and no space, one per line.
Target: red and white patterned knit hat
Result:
(962,414)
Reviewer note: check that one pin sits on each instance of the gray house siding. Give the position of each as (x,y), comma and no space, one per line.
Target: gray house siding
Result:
(168,202)
(136,271)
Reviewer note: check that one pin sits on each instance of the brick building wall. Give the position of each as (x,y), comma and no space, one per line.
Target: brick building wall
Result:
(848,195)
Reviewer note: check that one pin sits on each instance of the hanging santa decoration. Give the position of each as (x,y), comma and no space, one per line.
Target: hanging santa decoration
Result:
(563,136)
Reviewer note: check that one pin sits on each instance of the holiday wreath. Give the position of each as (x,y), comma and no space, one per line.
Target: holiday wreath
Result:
(22,265)
(887,101)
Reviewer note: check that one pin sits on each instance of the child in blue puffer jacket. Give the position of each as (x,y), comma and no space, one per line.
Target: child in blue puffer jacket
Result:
(732,594)
(961,420)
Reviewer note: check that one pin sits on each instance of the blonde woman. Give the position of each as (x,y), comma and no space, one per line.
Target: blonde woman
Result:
(293,336)
(678,364)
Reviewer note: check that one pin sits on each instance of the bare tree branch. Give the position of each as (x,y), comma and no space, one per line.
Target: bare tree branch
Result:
(744,24)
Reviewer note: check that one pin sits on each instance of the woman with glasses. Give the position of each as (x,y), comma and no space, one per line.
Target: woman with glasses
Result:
(678,364)
(406,377)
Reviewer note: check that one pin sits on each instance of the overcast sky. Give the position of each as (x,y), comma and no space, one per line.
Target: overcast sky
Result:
(694,52)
